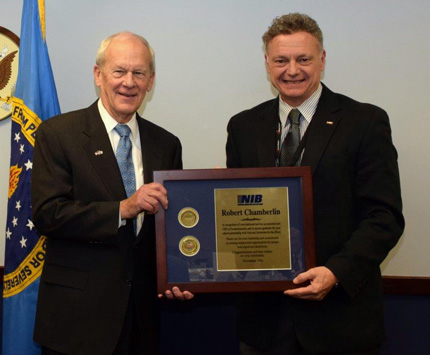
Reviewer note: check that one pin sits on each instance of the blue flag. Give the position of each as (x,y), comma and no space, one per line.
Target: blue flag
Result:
(35,100)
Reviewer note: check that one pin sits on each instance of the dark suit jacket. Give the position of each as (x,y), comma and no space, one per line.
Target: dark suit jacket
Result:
(91,265)
(358,219)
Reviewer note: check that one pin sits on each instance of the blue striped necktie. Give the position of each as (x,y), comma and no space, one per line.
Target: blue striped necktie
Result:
(125,159)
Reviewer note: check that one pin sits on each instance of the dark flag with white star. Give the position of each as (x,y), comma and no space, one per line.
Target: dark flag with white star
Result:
(35,100)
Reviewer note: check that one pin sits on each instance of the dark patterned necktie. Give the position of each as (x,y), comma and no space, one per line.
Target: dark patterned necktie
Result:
(291,140)
(125,159)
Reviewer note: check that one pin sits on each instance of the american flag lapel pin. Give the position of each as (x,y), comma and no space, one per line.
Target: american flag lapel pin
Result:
(99,152)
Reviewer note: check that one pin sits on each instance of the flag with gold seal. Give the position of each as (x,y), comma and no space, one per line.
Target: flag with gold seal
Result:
(35,100)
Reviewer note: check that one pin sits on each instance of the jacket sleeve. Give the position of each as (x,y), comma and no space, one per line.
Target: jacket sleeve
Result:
(57,212)
(233,160)
(377,208)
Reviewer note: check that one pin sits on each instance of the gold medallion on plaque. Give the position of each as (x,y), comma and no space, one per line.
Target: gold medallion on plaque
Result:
(188,217)
(189,245)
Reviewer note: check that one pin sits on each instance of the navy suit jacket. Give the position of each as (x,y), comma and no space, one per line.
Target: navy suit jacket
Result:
(91,265)
(357,214)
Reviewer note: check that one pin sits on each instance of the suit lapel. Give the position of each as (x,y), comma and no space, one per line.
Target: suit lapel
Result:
(152,153)
(100,153)
(323,125)
(265,131)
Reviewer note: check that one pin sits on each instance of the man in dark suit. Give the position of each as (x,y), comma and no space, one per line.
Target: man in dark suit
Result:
(357,202)
(98,287)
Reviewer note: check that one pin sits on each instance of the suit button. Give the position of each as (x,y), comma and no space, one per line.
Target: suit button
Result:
(128,283)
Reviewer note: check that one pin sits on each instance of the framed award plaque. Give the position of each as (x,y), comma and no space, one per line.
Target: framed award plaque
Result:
(235,230)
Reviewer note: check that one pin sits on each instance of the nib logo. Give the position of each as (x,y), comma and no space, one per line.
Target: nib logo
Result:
(249,200)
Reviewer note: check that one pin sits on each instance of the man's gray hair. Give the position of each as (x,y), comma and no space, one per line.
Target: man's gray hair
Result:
(100,57)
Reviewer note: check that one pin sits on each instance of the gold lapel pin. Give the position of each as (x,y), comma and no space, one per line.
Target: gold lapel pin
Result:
(330,123)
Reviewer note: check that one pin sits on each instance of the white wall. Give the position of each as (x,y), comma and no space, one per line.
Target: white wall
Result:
(209,64)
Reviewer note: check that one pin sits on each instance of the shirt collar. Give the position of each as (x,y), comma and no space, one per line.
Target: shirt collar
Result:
(110,122)
(307,108)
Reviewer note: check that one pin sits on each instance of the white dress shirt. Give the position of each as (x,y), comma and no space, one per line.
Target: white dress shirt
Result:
(307,110)
(136,150)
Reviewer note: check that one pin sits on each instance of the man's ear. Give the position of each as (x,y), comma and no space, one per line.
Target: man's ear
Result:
(97,74)
(151,82)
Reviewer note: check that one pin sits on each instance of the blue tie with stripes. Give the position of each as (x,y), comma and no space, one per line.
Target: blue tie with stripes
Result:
(125,159)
